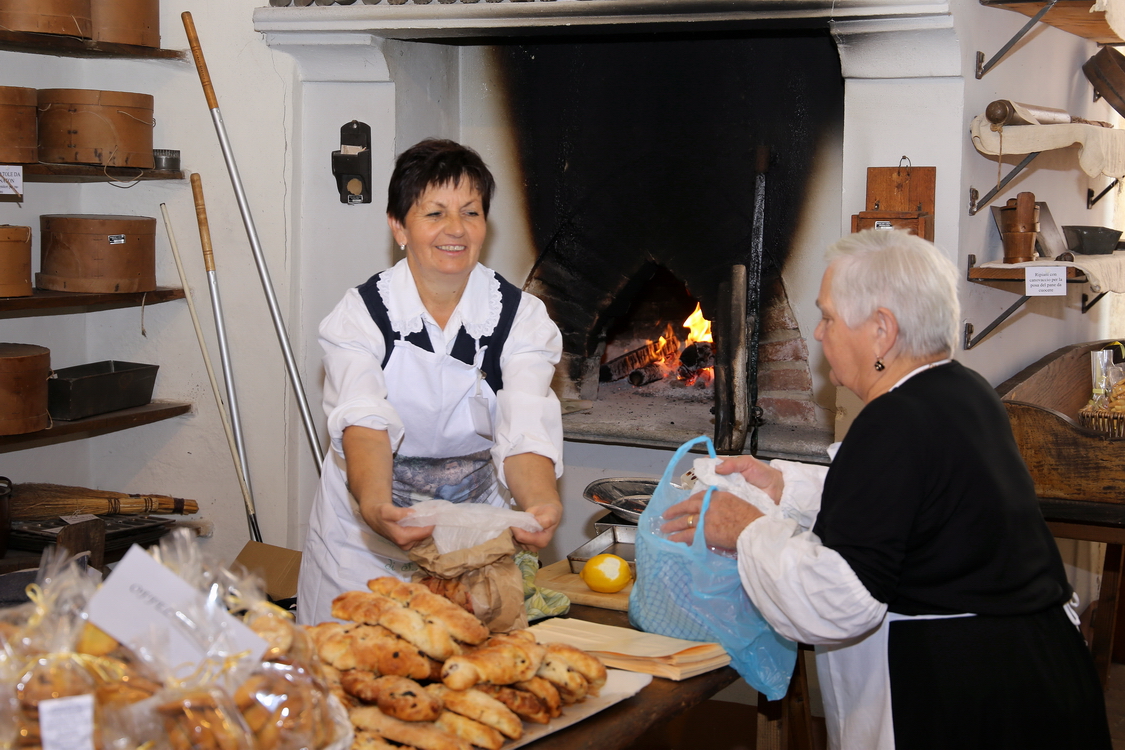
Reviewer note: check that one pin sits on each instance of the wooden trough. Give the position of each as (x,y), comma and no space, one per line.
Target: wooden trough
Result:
(1066,460)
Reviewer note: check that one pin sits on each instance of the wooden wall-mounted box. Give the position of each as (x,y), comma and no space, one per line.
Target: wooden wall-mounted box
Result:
(916,223)
(899,198)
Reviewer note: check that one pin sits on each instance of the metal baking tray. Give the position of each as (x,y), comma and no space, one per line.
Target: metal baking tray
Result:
(626,530)
(121,532)
(618,540)
(626,497)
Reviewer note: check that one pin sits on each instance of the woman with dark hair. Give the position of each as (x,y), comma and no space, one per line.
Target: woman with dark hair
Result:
(918,563)
(437,386)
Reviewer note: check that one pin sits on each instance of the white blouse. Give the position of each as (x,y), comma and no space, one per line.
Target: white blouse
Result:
(805,590)
(529,417)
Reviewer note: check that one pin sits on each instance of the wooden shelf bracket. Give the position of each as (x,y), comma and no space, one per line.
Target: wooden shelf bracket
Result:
(983,67)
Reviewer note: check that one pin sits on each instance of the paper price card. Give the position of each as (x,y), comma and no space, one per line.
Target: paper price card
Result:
(1045,281)
(142,599)
(11,179)
(67,723)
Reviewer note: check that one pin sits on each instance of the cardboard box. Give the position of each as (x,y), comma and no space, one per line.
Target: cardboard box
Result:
(278,566)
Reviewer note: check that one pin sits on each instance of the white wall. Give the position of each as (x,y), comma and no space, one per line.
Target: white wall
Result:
(283,117)
(1045,69)
(186,456)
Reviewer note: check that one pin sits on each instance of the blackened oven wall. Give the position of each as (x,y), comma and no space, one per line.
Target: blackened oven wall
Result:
(640,151)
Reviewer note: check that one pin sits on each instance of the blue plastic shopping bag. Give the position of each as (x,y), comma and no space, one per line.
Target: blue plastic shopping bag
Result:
(690,592)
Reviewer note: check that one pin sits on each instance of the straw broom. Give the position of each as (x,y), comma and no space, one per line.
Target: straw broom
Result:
(34,501)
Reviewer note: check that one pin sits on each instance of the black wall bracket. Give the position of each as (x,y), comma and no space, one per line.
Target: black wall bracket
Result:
(352,163)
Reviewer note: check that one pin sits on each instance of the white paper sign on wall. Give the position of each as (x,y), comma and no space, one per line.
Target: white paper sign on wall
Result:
(11,179)
(1045,281)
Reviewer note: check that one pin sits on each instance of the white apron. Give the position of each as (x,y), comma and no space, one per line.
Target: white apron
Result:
(855,686)
(444,454)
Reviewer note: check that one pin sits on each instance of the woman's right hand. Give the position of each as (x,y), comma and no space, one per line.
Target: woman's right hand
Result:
(383,518)
(758,473)
(370,467)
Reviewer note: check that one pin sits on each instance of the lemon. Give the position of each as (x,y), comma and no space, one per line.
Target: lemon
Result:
(606,573)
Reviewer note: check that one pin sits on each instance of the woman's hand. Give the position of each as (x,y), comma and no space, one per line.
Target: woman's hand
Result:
(727,516)
(383,518)
(531,480)
(548,515)
(370,466)
(760,474)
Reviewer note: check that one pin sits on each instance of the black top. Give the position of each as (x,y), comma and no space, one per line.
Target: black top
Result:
(932,506)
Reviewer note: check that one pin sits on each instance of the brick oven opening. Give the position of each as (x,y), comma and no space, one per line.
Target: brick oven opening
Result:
(660,171)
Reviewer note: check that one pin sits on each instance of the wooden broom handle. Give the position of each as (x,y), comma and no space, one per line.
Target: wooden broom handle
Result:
(200,63)
(201,219)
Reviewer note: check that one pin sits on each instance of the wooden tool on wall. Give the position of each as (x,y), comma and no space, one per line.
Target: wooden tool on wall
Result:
(899,197)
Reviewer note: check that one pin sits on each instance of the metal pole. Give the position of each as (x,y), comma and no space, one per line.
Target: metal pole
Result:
(255,243)
(220,329)
(251,515)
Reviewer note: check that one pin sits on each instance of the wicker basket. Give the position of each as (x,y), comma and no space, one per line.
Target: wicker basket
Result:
(1103,420)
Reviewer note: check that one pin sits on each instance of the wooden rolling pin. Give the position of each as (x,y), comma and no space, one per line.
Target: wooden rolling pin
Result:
(1006,112)
(34,501)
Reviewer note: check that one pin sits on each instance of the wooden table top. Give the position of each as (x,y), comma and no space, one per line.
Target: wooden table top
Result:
(620,725)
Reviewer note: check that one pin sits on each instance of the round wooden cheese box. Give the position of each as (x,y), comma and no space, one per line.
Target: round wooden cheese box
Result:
(24,369)
(15,261)
(19,143)
(97,253)
(126,21)
(87,126)
(65,17)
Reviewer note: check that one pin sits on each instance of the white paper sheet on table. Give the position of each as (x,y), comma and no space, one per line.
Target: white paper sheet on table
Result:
(618,686)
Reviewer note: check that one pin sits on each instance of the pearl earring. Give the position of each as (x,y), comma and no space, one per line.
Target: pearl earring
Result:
(402,247)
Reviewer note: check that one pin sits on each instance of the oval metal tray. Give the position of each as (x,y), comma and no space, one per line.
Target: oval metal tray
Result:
(626,497)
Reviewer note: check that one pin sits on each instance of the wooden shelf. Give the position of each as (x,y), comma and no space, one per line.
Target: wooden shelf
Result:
(46,302)
(94,173)
(61,431)
(70,46)
(1073,16)
(1002,278)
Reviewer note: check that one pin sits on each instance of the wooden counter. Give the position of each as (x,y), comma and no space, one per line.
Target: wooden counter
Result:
(620,725)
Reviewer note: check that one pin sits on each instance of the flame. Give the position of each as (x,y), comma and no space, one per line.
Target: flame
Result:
(699,326)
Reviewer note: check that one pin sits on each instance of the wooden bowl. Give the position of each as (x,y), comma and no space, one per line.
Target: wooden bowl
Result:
(1106,71)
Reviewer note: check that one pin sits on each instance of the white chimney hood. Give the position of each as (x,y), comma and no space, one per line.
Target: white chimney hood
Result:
(466,19)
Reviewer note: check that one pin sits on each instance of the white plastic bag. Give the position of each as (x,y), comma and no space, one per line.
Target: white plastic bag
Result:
(736,484)
(460,526)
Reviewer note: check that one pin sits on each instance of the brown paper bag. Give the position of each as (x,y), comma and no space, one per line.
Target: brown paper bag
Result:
(489,574)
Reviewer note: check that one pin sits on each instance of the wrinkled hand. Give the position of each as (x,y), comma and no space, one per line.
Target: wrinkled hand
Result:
(727,516)
(549,515)
(384,518)
(761,475)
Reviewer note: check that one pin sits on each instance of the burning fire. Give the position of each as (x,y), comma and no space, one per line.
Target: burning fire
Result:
(690,363)
(699,326)
(698,350)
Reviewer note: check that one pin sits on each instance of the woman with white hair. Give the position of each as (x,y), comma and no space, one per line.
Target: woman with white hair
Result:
(918,563)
